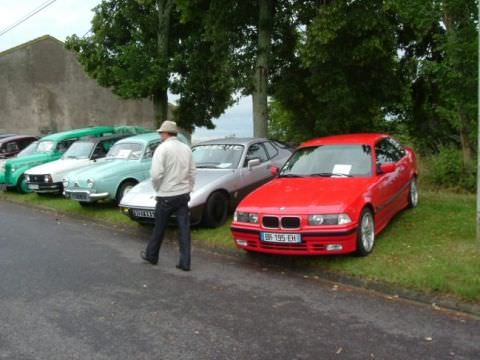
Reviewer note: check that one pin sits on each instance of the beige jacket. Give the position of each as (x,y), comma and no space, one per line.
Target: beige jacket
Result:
(173,169)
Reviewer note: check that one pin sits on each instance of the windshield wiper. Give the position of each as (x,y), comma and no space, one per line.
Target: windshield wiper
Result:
(330,174)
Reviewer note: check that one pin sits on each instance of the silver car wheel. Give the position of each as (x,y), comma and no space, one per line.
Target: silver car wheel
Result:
(367,231)
(413,194)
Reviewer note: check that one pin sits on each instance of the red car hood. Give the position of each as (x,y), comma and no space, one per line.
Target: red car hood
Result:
(306,195)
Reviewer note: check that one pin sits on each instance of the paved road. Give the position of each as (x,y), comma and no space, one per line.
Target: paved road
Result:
(76,290)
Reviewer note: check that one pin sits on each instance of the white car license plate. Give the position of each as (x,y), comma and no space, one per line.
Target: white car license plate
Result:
(280,238)
(33,186)
(144,213)
(79,196)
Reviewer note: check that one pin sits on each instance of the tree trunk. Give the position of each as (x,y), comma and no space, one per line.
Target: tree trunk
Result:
(259,95)
(467,146)
(160,107)
(160,98)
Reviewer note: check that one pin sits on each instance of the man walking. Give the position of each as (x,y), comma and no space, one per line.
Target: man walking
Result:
(172,172)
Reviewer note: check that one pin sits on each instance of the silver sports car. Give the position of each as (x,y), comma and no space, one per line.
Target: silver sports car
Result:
(227,170)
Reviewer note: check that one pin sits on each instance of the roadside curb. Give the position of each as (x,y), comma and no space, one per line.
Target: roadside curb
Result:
(436,301)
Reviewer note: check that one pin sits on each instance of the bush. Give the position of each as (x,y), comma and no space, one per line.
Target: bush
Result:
(446,170)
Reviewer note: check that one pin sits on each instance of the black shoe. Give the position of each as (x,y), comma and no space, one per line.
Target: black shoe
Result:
(143,255)
(182,268)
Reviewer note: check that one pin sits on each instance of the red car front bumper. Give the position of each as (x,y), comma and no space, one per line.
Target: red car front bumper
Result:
(312,242)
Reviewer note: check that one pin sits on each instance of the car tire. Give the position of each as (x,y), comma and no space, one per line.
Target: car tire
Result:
(365,232)
(216,210)
(125,187)
(22,186)
(413,194)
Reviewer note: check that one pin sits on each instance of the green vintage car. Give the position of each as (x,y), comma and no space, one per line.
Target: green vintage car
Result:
(126,164)
(50,148)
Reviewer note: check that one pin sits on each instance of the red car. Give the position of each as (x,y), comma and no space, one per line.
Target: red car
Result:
(333,196)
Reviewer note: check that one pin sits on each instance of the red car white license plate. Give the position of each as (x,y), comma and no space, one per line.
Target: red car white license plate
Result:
(280,237)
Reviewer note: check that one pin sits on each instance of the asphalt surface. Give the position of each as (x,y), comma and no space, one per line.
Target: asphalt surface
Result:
(71,289)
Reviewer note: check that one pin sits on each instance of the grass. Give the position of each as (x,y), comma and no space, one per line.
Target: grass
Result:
(432,248)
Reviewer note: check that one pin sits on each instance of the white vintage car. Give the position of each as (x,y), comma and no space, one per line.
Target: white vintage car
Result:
(47,178)
(227,170)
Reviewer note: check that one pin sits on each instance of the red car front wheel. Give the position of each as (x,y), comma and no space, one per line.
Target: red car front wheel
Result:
(365,233)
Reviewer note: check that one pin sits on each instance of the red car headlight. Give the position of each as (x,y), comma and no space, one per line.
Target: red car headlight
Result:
(245,217)
(329,219)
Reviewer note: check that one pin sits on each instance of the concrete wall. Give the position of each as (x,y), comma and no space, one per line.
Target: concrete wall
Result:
(44,89)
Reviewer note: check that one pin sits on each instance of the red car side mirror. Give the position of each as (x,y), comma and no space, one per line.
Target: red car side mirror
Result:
(274,171)
(387,168)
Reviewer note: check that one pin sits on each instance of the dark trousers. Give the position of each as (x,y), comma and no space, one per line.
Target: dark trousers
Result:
(166,206)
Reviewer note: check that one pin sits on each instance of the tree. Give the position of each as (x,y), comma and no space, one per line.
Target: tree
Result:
(346,77)
(260,36)
(143,48)
(439,41)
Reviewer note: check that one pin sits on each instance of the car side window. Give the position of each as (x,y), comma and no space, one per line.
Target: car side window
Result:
(401,151)
(386,152)
(271,149)
(11,146)
(150,150)
(63,146)
(99,151)
(256,151)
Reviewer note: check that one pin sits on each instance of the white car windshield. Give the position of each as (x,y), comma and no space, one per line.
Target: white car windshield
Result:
(126,151)
(79,150)
(218,156)
(45,146)
(330,161)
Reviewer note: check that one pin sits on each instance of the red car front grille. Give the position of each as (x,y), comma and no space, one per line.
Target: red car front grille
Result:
(270,222)
(286,222)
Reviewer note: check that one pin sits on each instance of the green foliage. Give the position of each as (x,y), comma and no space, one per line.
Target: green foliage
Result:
(283,125)
(439,43)
(346,78)
(447,170)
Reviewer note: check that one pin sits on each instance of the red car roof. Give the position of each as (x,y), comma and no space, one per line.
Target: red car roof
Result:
(360,138)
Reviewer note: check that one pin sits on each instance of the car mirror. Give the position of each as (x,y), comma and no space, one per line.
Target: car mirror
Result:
(387,168)
(252,163)
(274,171)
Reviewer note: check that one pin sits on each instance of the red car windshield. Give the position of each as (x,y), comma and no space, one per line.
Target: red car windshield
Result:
(330,160)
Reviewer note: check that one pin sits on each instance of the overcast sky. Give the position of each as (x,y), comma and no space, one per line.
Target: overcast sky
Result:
(66,17)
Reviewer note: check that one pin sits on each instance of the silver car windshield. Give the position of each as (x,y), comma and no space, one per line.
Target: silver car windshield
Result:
(79,150)
(217,156)
(126,151)
(330,160)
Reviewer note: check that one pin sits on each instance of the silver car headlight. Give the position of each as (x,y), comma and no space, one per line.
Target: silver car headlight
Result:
(27,178)
(47,178)
(65,182)
(245,217)
(329,219)
(90,183)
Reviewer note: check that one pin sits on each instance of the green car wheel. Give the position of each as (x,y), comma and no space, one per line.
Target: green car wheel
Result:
(22,186)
